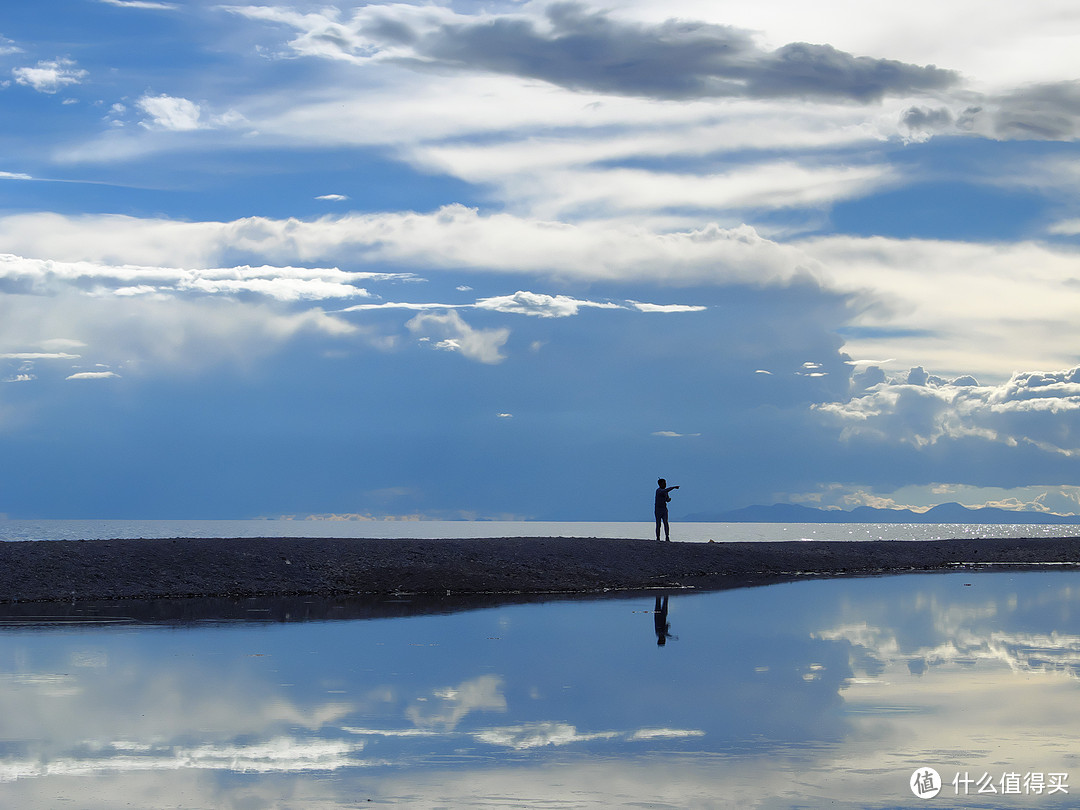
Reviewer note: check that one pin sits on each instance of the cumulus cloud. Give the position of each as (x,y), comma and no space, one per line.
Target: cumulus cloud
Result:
(449,332)
(171,113)
(1062,499)
(1039,409)
(174,114)
(582,50)
(50,76)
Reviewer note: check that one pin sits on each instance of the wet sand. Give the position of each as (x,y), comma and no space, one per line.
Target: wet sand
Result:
(75,570)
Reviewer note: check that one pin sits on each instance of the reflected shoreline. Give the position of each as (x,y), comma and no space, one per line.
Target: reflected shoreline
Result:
(291,609)
(208,610)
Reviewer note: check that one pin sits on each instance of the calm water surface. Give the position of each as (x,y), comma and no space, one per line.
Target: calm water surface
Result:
(826,693)
(687,532)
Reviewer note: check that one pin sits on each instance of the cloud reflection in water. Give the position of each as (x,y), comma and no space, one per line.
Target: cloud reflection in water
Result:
(825,692)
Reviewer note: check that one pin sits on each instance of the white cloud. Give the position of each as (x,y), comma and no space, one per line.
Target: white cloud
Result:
(451,333)
(174,114)
(984,309)
(638,305)
(93,375)
(963,308)
(542,734)
(43,277)
(666,733)
(49,76)
(162,335)
(452,237)
(143,4)
(403,305)
(332,197)
(1039,409)
(448,707)
(171,113)
(538,735)
(38,356)
(671,434)
(593,193)
(539,304)
(325,34)
(1065,227)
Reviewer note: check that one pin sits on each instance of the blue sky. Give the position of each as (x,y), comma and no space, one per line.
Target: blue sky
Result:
(518,259)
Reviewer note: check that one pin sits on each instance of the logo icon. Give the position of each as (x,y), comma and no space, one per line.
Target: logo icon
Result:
(925,783)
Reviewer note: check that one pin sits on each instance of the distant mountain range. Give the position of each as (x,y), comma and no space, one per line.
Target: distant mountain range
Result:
(942,513)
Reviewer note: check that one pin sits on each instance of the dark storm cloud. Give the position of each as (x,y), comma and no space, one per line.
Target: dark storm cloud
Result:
(1049,112)
(672,60)
(1037,112)
(923,118)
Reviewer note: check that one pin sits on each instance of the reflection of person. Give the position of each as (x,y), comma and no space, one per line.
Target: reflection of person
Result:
(663,629)
(660,507)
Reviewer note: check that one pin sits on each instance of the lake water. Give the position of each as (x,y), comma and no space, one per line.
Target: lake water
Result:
(687,532)
(825,693)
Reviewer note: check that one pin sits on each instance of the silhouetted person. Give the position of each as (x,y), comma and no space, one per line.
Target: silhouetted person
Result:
(663,629)
(660,508)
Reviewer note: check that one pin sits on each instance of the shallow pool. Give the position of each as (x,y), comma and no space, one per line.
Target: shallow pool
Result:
(826,693)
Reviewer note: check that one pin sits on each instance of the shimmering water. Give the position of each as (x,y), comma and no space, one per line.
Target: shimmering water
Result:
(827,693)
(688,532)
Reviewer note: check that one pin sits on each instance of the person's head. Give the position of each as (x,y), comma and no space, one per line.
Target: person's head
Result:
(661,482)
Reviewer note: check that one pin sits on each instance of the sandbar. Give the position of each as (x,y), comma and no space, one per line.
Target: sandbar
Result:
(185,568)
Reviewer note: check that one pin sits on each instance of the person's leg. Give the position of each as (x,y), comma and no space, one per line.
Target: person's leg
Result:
(667,530)
(658,527)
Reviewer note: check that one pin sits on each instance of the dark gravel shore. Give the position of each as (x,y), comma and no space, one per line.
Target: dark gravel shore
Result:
(50,571)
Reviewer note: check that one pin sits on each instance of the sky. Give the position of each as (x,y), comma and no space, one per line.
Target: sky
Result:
(516,260)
